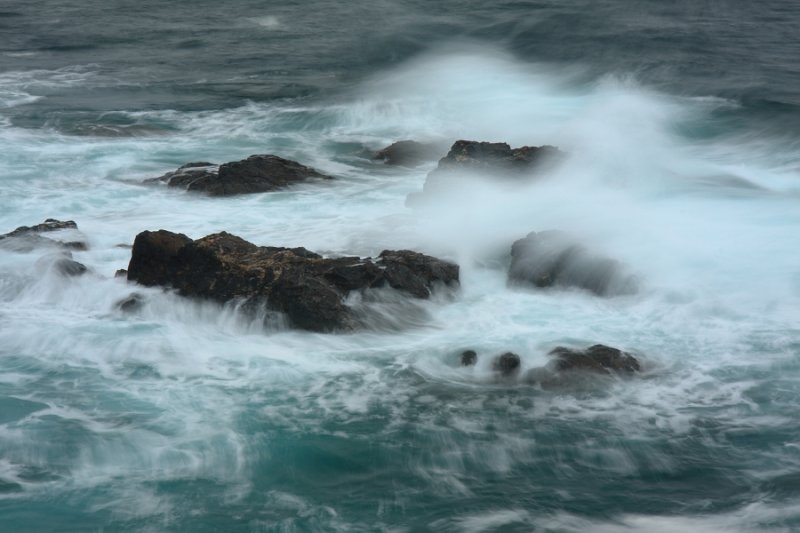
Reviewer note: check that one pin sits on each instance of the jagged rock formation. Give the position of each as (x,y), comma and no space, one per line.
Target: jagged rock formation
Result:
(309,288)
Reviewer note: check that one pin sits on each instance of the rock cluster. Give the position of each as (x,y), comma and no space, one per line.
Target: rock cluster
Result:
(597,359)
(307,287)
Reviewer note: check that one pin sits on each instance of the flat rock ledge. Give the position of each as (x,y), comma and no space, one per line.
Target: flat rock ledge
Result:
(308,288)
(257,173)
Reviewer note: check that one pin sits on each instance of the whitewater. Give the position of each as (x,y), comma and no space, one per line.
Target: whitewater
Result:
(190,416)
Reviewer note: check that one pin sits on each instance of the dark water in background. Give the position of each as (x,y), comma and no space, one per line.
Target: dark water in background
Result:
(156,55)
(189,418)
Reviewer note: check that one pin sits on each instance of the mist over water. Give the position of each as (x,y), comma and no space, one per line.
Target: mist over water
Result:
(190,416)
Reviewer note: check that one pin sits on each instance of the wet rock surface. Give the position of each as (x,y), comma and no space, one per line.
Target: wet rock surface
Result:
(486,159)
(307,287)
(489,156)
(409,153)
(66,266)
(257,173)
(469,358)
(61,263)
(61,233)
(131,304)
(506,364)
(597,358)
(554,259)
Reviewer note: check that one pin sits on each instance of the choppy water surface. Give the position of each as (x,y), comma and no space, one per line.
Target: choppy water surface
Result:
(191,417)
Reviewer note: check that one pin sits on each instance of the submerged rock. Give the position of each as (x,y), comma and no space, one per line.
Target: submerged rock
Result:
(408,153)
(131,304)
(506,364)
(27,238)
(469,358)
(307,287)
(66,266)
(551,258)
(61,263)
(597,358)
(257,173)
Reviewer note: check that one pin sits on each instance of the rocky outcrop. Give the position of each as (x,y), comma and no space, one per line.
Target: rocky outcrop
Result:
(498,160)
(597,358)
(132,304)
(257,173)
(63,234)
(553,259)
(469,358)
(307,287)
(66,266)
(492,157)
(569,367)
(408,153)
(506,364)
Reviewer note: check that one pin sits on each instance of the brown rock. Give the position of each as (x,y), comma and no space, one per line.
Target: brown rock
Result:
(310,289)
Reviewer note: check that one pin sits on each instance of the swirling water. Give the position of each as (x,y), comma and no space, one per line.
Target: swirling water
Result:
(680,125)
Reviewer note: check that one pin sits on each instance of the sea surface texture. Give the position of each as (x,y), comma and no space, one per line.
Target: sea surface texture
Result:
(680,128)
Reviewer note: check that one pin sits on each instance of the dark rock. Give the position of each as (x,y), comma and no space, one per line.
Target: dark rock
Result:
(51,224)
(597,358)
(408,153)
(154,257)
(506,364)
(121,273)
(69,267)
(482,158)
(257,173)
(61,263)
(551,258)
(131,304)
(27,238)
(78,246)
(310,289)
(414,272)
(469,358)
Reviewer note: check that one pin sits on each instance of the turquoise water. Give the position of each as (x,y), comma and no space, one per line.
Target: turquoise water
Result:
(188,416)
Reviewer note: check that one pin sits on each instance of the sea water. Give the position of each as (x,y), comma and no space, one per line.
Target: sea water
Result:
(679,128)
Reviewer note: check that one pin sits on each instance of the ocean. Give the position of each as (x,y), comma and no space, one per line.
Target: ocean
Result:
(680,125)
